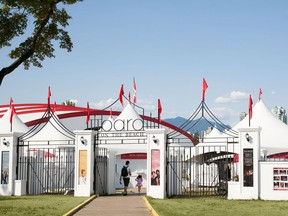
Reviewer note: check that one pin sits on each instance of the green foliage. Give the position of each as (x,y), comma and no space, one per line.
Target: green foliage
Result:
(196,137)
(69,103)
(47,19)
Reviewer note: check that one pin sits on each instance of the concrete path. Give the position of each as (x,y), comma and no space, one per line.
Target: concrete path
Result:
(132,204)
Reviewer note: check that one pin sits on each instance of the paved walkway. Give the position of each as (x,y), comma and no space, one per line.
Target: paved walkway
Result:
(132,204)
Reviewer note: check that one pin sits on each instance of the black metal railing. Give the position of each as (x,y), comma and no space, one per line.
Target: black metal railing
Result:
(199,171)
(46,170)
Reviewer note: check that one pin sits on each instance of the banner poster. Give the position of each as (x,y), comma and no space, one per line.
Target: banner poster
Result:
(5,167)
(248,167)
(280,178)
(134,156)
(82,167)
(155,167)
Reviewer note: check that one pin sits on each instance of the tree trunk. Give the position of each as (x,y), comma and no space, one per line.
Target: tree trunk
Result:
(7,70)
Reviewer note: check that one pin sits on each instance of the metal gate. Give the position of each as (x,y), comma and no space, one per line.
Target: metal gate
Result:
(100,169)
(198,171)
(46,170)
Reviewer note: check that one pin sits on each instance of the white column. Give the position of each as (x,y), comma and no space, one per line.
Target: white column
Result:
(84,163)
(8,162)
(249,155)
(156,154)
(111,173)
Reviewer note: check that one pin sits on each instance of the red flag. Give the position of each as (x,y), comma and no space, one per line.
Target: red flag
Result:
(236,158)
(121,93)
(260,94)
(49,95)
(205,86)
(88,114)
(159,110)
(12,113)
(134,91)
(129,97)
(11,102)
(250,107)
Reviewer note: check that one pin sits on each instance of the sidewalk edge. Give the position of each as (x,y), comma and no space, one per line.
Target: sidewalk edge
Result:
(81,205)
(154,213)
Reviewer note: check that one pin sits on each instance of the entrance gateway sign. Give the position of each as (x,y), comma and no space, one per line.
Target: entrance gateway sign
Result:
(127,134)
(123,125)
(122,128)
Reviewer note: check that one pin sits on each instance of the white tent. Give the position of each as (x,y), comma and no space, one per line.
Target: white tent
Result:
(214,137)
(130,118)
(127,128)
(274,133)
(17,124)
(53,131)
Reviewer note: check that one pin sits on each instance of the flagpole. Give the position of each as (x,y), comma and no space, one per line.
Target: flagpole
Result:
(12,112)
(88,115)
(202,108)
(250,108)
(11,117)
(158,118)
(134,92)
(159,112)
(204,88)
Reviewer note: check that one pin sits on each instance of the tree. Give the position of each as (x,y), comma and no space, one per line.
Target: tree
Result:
(69,103)
(49,19)
(196,137)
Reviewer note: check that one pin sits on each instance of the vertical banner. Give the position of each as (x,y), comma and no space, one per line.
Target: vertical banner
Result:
(5,168)
(248,167)
(155,167)
(82,167)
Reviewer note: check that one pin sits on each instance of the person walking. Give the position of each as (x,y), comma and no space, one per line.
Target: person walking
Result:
(125,175)
(139,180)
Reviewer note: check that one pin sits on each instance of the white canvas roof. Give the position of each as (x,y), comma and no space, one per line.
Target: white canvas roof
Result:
(216,137)
(52,131)
(17,124)
(130,117)
(128,122)
(274,133)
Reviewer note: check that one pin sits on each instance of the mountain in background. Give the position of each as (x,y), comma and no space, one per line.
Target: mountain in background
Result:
(201,125)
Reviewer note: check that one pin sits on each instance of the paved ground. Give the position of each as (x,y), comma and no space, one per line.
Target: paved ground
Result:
(132,204)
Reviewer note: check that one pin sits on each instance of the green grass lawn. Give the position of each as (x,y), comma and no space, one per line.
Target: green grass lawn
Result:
(38,204)
(217,206)
(60,204)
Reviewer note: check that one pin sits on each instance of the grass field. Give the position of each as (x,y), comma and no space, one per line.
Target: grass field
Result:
(38,205)
(217,207)
(60,204)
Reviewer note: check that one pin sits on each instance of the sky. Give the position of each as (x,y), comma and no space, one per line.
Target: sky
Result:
(169,47)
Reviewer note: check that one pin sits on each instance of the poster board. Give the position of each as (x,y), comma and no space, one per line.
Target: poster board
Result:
(5,167)
(155,167)
(280,178)
(82,173)
(248,167)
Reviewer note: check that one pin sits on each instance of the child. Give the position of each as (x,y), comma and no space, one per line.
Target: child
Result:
(139,182)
